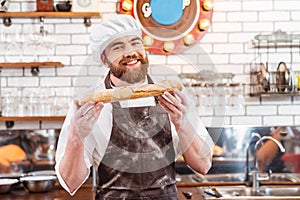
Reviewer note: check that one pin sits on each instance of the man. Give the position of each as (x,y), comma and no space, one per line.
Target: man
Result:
(134,143)
(269,156)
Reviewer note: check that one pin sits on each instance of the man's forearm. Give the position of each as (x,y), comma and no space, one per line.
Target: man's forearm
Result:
(197,151)
(72,166)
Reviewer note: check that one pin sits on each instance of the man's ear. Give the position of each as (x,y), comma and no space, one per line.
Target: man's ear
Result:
(104,59)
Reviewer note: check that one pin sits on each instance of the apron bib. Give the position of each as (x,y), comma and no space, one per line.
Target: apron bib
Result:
(139,160)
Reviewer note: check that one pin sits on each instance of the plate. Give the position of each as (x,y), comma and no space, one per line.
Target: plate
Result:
(11,175)
(38,178)
(265,78)
(282,77)
(293,81)
(42,172)
(8,181)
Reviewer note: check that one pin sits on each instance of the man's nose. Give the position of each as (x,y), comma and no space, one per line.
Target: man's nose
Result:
(129,52)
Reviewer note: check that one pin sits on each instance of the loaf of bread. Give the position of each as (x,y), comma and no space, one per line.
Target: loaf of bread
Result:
(132,92)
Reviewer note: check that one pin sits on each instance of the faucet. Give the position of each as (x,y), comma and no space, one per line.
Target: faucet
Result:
(256,177)
(247,167)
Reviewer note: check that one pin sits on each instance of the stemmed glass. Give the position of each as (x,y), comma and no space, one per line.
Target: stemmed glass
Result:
(20,41)
(5,39)
(35,41)
(202,96)
(49,43)
(2,42)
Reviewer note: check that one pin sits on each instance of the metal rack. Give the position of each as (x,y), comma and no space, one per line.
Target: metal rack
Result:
(206,78)
(265,74)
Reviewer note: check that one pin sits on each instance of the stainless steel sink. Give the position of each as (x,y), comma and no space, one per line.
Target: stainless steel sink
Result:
(239,177)
(244,192)
(280,191)
(219,178)
(281,177)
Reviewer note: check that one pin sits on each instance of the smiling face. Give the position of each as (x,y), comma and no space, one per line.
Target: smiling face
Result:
(127,59)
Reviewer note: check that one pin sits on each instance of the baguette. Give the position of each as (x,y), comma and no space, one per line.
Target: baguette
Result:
(132,92)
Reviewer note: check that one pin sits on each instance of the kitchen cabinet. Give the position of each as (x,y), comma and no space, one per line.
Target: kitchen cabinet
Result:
(271,71)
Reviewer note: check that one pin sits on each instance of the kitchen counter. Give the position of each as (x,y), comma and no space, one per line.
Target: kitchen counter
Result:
(184,184)
(84,193)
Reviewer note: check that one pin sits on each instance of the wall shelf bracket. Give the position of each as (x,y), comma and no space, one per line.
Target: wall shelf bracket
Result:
(87,21)
(9,124)
(7,21)
(35,71)
(42,28)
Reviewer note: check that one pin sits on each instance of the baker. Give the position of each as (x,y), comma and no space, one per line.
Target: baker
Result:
(134,144)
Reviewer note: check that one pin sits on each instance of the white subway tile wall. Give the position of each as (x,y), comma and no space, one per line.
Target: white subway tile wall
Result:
(224,49)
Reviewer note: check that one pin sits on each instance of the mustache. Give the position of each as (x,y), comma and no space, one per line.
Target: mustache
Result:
(132,57)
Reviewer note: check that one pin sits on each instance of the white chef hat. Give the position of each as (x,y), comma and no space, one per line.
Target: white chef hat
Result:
(116,27)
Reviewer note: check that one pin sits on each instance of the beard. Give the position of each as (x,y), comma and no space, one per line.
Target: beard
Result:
(130,75)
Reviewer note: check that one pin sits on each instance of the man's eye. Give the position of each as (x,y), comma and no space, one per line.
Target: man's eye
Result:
(137,43)
(117,48)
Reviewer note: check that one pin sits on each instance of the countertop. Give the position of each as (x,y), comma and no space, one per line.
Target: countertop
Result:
(185,184)
(84,193)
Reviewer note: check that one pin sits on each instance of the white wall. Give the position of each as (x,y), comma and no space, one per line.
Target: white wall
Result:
(226,46)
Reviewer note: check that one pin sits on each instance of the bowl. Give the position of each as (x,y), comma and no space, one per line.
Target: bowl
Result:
(6,183)
(63,6)
(38,183)
(42,172)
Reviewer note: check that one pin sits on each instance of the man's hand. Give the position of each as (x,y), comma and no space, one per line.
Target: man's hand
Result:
(85,117)
(175,105)
(196,149)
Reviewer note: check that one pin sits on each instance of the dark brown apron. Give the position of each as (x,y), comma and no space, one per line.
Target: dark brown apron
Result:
(139,160)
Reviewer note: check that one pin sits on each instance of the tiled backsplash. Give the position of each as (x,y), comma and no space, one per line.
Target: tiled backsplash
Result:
(224,49)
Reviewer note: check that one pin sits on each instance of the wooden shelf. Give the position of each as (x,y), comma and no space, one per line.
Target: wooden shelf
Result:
(49,14)
(33,118)
(30,64)
(274,94)
(6,16)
